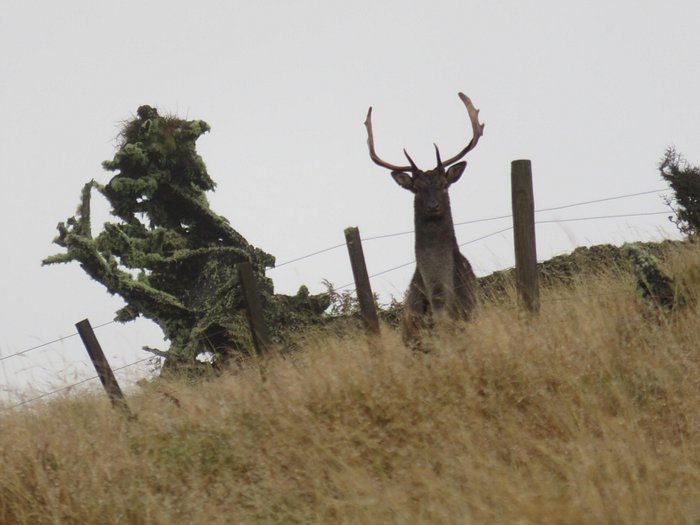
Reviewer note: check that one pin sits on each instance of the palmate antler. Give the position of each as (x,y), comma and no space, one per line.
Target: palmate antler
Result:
(477,129)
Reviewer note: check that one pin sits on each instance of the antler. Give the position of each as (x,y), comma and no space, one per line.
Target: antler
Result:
(373,155)
(477,129)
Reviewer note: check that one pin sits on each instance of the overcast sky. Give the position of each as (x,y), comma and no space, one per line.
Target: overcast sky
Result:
(592,92)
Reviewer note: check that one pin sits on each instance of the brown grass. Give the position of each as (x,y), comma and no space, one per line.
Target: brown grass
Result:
(589,413)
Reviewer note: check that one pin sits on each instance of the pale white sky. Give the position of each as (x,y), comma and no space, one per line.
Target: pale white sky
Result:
(592,92)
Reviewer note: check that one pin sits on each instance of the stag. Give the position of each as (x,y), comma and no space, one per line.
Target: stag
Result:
(443,287)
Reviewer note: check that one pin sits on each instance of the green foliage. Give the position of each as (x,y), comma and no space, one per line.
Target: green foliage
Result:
(344,305)
(684,179)
(169,256)
(653,283)
(583,261)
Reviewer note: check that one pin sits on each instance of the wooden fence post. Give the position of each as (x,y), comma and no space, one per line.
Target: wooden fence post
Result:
(97,356)
(258,328)
(365,297)
(524,234)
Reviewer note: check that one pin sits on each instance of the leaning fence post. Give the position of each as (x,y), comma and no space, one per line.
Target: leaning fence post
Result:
(97,356)
(258,328)
(365,297)
(524,234)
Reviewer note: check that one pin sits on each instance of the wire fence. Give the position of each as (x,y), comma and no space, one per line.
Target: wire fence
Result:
(495,218)
(42,345)
(413,261)
(377,274)
(509,228)
(82,381)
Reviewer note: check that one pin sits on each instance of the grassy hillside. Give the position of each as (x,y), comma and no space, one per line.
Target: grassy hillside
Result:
(589,413)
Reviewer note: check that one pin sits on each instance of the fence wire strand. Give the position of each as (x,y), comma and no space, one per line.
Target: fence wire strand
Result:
(621,216)
(605,199)
(42,345)
(82,381)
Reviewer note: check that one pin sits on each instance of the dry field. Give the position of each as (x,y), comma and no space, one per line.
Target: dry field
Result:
(588,413)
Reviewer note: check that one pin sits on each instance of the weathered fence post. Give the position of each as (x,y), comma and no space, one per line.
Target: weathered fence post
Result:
(524,234)
(258,328)
(365,297)
(97,356)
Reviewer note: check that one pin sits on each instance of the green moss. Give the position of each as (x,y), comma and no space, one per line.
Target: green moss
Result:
(653,283)
(566,269)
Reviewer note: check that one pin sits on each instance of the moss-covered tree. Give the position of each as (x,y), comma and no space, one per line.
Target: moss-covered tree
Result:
(169,256)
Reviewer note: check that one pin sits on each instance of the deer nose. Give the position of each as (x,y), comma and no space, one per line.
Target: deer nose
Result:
(433,207)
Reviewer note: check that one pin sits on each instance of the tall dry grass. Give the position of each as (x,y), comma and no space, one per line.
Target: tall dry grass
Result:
(588,413)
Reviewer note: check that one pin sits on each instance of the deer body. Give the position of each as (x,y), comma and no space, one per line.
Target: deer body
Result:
(443,287)
(443,283)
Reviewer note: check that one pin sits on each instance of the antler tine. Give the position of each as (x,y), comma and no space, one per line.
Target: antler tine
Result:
(413,164)
(477,129)
(373,155)
(437,154)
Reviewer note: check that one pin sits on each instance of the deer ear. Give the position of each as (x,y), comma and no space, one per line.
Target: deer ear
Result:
(403,179)
(455,172)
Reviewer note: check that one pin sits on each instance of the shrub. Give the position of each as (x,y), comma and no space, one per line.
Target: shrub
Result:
(684,179)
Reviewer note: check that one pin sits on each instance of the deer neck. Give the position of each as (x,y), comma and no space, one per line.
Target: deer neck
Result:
(435,237)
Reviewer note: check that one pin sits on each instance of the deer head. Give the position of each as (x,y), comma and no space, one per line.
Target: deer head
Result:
(430,187)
